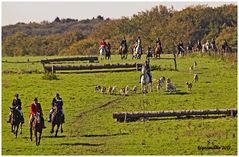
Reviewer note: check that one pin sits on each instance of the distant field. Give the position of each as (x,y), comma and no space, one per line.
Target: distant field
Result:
(90,128)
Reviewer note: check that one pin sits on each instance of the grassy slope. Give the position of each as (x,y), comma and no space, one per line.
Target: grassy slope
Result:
(90,128)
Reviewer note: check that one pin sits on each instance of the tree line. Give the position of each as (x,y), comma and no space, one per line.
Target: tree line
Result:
(190,24)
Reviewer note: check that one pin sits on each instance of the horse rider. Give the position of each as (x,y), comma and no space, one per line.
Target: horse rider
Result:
(158,42)
(103,44)
(213,42)
(16,103)
(149,52)
(190,46)
(108,47)
(224,45)
(180,47)
(35,108)
(57,101)
(138,42)
(148,71)
(123,43)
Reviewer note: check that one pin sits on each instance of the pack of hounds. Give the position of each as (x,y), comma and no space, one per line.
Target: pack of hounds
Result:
(170,87)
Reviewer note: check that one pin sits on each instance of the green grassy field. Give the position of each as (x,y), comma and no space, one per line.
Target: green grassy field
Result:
(90,128)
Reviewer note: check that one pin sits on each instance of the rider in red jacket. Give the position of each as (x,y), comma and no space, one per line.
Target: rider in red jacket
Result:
(103,43)
(35,108)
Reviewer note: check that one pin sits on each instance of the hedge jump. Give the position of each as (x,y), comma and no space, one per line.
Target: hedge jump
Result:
(133,116)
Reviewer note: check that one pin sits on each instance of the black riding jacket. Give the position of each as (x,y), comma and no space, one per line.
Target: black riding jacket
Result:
(57,102)
(17,103)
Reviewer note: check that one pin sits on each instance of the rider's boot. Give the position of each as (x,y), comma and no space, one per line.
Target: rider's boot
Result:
(49,118)
(9,120)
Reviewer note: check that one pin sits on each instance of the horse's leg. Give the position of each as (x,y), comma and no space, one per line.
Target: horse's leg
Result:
(12,128)
(57,129)
(16,130)
(142,87)
(52,128)
(39,137)
(21,128)
(31,134)
(35,132)
(150,87)
(61,128)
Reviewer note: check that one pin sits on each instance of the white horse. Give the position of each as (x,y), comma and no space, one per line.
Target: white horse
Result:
(102,52)
(137,51)
(145,80)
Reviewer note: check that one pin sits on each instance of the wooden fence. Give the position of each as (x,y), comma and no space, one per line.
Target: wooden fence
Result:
(132,116)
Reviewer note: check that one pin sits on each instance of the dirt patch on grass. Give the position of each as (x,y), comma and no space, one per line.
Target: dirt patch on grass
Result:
(107,104)
(212,133)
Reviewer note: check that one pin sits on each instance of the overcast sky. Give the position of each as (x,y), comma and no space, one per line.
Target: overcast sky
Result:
(13,12)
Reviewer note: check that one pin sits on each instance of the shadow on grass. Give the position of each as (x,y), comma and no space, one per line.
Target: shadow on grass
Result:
(53,136)
(178,92)
(81,144)
(104,135)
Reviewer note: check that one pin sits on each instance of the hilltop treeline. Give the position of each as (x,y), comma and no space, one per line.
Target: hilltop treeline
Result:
(191,24)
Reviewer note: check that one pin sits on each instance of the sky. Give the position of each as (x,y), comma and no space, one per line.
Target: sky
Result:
(30,11)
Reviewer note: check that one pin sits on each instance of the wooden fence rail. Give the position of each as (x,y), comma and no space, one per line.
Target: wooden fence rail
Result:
(86,58)
(54,68)
(123,116)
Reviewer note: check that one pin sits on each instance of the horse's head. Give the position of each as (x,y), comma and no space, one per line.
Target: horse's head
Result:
(37,118)
(15,115)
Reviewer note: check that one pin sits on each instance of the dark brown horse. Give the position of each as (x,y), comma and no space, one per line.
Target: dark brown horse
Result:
(37,126)
(57,119)
(16,119)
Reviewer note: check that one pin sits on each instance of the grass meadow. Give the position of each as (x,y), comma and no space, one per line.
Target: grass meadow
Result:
(90,128)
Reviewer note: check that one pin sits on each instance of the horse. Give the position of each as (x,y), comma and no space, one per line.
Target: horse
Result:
(158,51)
(137,52)
(145,80)
(107,53)
(15,120)
(180,50)
(37,126)
(57,119)
(123,51)
(103,52)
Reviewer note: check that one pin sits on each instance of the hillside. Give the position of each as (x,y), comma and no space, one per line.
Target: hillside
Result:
(82,37)
(58,26)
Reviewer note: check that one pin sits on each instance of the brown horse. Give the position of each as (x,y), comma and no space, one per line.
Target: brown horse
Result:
(158,51)
(15,121)
(57,119)
(37,126)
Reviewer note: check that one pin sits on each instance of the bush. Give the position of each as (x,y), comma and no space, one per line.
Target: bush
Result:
(50,76)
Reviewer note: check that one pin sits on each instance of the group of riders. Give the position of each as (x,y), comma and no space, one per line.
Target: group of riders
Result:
(136,48)
(209,46)
(35,108)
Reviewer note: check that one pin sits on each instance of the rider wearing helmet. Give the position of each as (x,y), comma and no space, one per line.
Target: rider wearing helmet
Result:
(16,103)
(158,42)
(57,101)
(35,108)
